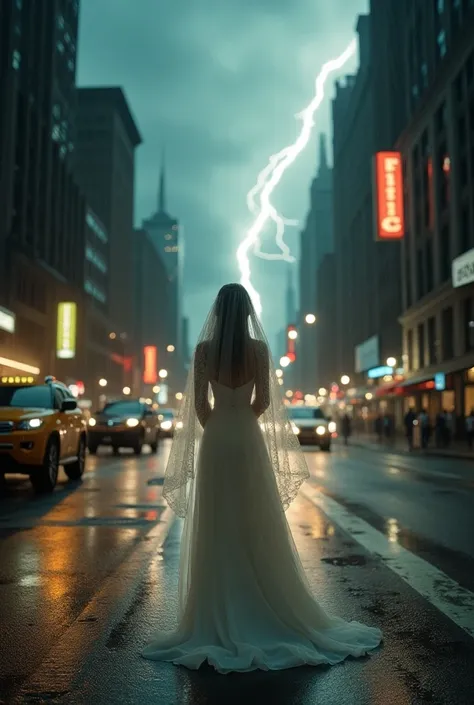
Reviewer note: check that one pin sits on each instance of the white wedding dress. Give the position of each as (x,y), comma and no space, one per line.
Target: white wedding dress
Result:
(245,600)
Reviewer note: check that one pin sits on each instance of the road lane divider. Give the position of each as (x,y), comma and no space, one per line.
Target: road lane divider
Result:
(454,601)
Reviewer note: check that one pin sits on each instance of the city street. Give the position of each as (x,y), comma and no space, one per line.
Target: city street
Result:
(88,573)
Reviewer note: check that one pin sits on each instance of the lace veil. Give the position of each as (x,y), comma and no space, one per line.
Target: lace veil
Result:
(232,350)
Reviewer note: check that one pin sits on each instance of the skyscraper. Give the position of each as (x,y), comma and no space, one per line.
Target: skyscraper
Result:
(316,242)
(164,232)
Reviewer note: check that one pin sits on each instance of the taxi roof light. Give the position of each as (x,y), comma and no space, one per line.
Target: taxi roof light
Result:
(18,379)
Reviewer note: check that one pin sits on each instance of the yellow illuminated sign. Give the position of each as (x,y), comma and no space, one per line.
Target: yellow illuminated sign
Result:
(66,331)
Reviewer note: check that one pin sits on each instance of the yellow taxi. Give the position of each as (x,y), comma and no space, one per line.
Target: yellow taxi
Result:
(41,428)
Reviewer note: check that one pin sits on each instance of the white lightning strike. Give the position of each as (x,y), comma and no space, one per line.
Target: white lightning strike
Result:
(270,177)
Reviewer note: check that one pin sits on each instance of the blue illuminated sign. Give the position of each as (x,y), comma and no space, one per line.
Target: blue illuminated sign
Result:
(377,372)
(440,381)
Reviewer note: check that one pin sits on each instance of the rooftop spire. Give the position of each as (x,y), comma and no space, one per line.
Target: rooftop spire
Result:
(162,187)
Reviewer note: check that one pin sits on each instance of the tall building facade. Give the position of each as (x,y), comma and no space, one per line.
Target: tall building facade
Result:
(42,211)
(104,163)
(316,241)
(367,284)
(164,232)
(438,252)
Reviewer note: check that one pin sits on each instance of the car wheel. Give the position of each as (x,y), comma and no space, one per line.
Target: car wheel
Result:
(138,447)
(75,470)
(44,478)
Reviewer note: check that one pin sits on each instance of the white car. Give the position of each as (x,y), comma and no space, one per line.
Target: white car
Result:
(311,426)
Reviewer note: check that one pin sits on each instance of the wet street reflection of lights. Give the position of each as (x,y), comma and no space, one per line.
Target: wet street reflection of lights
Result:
(279,373)
(393,471)
(392,530)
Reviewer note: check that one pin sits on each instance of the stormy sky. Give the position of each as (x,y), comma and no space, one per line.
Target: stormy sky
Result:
(218,84)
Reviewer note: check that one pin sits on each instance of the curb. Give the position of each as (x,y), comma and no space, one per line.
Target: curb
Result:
(414,453)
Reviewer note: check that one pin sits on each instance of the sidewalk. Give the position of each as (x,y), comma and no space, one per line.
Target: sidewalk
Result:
(398,444)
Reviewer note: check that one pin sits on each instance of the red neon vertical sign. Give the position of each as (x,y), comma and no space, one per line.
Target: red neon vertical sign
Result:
(150,356)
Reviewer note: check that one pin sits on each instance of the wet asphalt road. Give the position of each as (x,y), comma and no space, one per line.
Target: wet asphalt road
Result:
(87,575)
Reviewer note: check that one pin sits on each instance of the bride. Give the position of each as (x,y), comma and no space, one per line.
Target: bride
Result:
(235,466)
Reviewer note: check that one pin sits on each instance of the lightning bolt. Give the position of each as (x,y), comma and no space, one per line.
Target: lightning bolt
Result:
(269,178)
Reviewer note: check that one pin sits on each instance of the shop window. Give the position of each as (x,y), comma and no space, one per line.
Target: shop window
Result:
(448,333)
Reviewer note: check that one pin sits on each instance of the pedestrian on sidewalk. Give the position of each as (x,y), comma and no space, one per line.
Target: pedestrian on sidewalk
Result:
(425,429)
(346,428)
(379,427)
(409,421)
(470,429)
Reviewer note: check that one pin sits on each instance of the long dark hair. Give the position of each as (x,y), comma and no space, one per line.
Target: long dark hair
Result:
(233,309)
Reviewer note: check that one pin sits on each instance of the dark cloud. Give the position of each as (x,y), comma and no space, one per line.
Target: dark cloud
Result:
(217,82)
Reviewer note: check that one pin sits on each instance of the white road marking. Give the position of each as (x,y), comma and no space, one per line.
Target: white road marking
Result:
(439,589)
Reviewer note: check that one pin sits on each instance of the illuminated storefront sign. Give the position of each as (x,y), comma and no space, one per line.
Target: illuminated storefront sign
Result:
(440,381)
(150,357)
(66,330)
(463,269)
(7,320)
(388,201)
(377,372)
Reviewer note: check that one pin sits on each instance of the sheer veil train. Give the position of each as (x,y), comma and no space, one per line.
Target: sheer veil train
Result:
(234,468)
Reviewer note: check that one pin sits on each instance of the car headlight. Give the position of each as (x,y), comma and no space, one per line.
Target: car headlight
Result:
(179,424)
(131,423)
(166,425)
(30,424)
(296,430)
(92,422)
(332,427)
(321,430)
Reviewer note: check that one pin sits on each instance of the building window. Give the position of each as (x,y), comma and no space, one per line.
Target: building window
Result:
(432,356)
(410,350)
(465,229)
(445,253)
(429,265)
(448,333)
(16,60)
(421,345)
(468,323)
(441,42)
(420,275)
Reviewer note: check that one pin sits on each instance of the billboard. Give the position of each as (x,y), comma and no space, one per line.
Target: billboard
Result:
(388,201)
(463,269)
(367,354)
(150,359)
(66,330)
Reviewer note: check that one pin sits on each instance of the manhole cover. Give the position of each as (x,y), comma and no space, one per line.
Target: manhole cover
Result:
(342,561)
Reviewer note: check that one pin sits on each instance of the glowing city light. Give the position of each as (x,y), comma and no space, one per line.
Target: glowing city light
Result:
(270,177)
(310,318)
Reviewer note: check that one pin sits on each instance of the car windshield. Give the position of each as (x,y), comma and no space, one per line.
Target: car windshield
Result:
(38,397)
(122,408)
(302,412)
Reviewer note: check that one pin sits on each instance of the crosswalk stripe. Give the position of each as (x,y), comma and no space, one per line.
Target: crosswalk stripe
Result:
(439,589)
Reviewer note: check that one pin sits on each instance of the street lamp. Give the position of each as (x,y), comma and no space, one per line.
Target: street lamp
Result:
(345,379)
(163,374)
(289,393)
(102,382)
(391,361)
(126,391)
(285,361)
(323,392)
(292,334)
(310,318)
(156,389)
(170,348)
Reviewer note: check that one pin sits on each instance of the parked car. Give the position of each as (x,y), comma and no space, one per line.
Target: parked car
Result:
(41,428)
